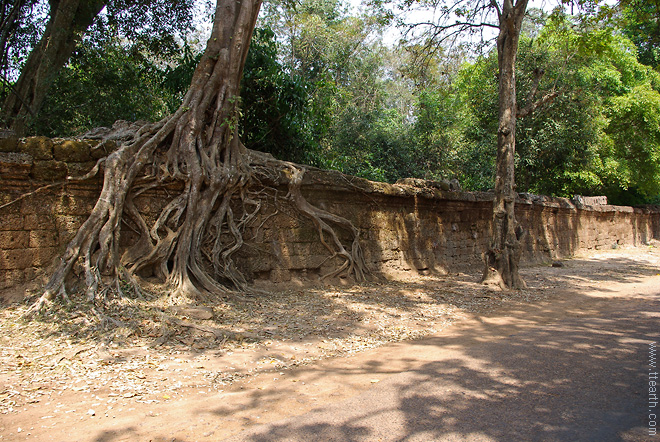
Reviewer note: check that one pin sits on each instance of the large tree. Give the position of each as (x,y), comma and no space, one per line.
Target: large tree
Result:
(149,24)
(458,20)
(197,150)
(68,20)
(503,255)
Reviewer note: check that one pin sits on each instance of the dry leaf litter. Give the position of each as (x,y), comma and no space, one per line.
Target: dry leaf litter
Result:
(151,350)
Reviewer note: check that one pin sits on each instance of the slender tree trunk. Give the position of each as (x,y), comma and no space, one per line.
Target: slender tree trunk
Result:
(10,14)
(68,20)
(503,256)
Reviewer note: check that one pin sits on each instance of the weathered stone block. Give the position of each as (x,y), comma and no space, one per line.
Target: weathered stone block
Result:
(299,235)
(80,169)
(308,248)
(42,238)
(12,221)
(16,259)
(69,223)
(32,273)
(70,205)
(9,278)
(375,255)
(99,150)
(49,170)
(36,206)
(44,256)
(67,235)
(15,165)
(258,264)
(72,151)
(8,141)
(14,239)
(299,262)
(280,275)
(33,221)
(40,148)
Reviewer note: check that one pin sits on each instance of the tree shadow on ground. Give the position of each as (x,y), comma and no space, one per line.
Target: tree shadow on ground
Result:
(515,386)
(582,378)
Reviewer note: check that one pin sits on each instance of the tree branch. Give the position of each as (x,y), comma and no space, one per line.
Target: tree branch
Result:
(531,104)
(494,4)
(463,25)
(538,74)
(531,107)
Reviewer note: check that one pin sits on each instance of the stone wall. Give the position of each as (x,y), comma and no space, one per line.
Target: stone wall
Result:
(404,228)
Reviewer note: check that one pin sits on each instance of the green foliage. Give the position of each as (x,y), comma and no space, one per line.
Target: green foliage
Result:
(148,24)
(177,75)
(373,146)
(641,24)
(99,86)
(276,115)
(634,127)
(338,61)
(321,88)
(587,141)
(477,87)
(598,136)
(143,29)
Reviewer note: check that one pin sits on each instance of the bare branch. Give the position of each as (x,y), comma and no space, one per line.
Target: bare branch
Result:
(531,107)
(460,16)
(494,4)
(538,74)
(531,104)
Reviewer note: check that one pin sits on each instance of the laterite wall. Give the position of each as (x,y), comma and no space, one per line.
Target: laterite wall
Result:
(403,228)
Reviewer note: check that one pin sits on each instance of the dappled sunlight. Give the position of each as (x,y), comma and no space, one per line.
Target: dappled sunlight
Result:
(441,356)
(527,385)
(537,373)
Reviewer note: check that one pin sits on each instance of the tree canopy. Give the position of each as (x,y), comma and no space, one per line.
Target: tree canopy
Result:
(35,46)
(324,87)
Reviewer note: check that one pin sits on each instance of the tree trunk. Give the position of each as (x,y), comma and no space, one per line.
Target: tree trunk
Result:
(10,14)
(68,20)
(503,256)
(191,243)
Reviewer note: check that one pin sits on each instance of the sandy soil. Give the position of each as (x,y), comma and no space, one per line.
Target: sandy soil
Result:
(160,370)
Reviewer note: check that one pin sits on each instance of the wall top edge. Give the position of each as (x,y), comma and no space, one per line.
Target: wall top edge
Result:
(17,155)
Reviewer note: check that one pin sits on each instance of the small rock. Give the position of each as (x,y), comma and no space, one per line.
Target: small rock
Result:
(91,412)
(193,311)
(8,140)
(557,264)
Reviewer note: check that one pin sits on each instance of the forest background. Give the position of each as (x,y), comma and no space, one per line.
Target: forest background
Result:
(327,85)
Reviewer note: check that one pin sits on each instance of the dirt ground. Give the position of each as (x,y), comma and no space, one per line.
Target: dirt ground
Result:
(142,369)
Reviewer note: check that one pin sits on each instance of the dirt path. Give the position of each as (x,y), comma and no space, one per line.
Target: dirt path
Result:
(58,388)
(570,370)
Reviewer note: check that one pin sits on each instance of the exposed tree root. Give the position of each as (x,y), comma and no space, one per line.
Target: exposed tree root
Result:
(190,245)
(354,263)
